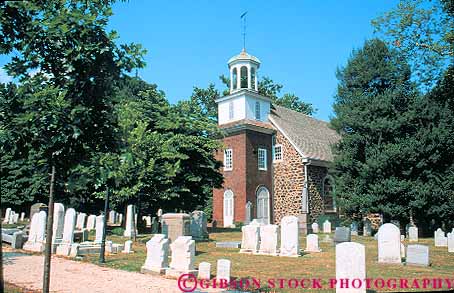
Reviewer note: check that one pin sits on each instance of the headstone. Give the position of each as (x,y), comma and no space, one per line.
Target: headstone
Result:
(417,255)
(289,237)
(354,228)
(312,243)
(154,226)
(402,250)
(367,228)
(350,265)
(99,228)
(91,222)
(17,240)
(450,242)
(204,271)
(64,248)
(157,255)
(228,244)
(248,218)
(199,225)
(250,239)
(440,238)
(22,216)
(36,237)
(112,217)
(389,244)
(342,234)
(176,225)
(268,239)
(128,247)
(131,224)
(16,218)
(7,215)
(11,218)
(223,270)
(315,228)
(147,221)
(402,237)
(183,256)
(413,234)
(327,226)
(36,208)
(59,219)
(120,219)
(80,224)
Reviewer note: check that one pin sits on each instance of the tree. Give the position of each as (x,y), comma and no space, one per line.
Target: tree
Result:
(423,31)
(374,160)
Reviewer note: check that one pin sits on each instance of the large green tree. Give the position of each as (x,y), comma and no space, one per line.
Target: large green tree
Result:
(60,112)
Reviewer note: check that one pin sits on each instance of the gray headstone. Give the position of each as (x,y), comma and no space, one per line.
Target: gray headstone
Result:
(417,255)
(342,234)
(354,228)
(199,225)
(367,228)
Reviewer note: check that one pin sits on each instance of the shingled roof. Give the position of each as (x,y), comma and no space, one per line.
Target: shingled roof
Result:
(311,137)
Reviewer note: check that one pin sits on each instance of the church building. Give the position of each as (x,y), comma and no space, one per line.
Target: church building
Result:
(275,160)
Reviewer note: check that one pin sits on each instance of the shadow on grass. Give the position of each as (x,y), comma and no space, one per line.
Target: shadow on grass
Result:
(223,230)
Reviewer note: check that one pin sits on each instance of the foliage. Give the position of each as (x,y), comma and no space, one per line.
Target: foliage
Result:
(424,32)
(118,231)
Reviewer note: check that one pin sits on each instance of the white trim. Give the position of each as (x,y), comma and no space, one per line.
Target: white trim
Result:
(231,160)
(265,159)
(274,153)
(241,92)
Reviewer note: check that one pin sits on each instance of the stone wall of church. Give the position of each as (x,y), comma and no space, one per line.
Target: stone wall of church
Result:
(288,176)
(316,175)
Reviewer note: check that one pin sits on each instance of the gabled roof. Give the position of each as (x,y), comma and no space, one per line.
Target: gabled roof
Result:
(312,138)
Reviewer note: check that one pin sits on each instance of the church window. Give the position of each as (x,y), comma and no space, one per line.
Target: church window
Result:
(234,78)
(277,154)
(257,110)
(253,78)
(262,159)
(243,75)
(228,159)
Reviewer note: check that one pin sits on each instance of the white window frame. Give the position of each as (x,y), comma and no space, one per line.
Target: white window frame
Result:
(275,159)
(231,110)
(263,151)
(228,167)
(257,111)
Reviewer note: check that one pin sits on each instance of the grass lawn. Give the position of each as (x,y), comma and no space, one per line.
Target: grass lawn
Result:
(309,266)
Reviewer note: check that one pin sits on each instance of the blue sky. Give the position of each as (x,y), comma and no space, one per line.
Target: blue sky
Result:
(300,43)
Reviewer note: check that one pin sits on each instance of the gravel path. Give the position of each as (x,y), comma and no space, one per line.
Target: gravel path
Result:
(72,276)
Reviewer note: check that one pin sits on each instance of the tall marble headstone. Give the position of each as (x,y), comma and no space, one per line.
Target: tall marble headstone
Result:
(176,225)
(99,228)
(223,270)
(7,215)
(250,238)
(91,222)
(354,228)
(157,255)
(36,238)
(389,244)
(112,217)
(268,239)
(413,234)
(64,248)
(350,264)
(289,237)
(183,256)
(80,222)
(199,225)
(22,216)
(417,255)
(131,224)
(327,226)
(59,219)
(154,226)
(312,243)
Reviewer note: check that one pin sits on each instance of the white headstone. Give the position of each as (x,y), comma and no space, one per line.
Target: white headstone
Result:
(450,242)
(120,219)
(22,216)
(15,217)
(389,244)
(268,239)
(130,228)
(250,238)
(183,256)
(99,228)
(59,219)
(351,265)
(7,215)
(80,224)
(327,226)
(315,228)
(223,270)
(112,217)
(64,247)
(413,234)
(11,217)
(204,271)
(440,238)
(312,243)
(157,254)
(417,255)
(128,247)
(248,218)
(91,222)
(34,227)
(37,233)
(289,237)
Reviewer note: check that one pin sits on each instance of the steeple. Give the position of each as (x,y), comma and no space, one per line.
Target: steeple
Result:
(243,72)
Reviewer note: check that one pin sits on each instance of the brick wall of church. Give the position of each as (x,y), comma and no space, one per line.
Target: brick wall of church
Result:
(288,181)
(315,178)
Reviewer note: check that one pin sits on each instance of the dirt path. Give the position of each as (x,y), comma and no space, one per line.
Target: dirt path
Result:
(72,276)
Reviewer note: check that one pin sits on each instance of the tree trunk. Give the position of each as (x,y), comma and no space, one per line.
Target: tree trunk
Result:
(104,232)
(49,228)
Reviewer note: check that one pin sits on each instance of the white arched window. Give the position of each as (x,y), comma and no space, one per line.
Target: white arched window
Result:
(263,205)
(234,79)
(228,208)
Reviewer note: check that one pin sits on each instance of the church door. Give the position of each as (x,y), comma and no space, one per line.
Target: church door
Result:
(263,205)
(228,208)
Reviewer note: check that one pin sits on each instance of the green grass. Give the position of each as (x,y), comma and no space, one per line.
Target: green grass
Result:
(312,266)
